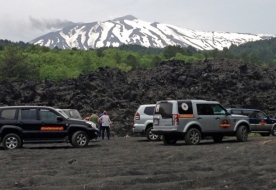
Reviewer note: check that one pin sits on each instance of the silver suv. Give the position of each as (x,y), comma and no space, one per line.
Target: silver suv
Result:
(143,121)
(192,120)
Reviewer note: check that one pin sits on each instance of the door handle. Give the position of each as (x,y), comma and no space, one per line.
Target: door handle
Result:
(217,118)
(199,118)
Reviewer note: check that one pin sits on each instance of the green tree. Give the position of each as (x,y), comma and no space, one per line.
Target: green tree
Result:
(171,51)
(14,65)
(131,60)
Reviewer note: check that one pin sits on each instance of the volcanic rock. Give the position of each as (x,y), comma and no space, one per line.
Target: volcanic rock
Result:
(233,83)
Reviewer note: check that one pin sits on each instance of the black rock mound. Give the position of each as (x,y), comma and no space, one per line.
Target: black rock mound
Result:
(231,82)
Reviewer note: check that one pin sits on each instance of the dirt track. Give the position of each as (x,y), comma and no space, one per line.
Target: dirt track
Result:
(134,163)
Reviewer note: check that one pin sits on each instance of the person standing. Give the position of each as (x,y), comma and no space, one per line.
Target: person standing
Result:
(100,125)
(87,118)
(95,118)
(105,124)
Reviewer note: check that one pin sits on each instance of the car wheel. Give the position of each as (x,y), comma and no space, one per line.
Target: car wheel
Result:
(264,134)
(11,141)
(169,139)
(217,138)
(193,136)
(79,139)
(242,133)
(273,132)
(151,136)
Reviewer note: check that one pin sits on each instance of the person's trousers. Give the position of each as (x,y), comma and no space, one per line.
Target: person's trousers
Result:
(100,130)
(107,131)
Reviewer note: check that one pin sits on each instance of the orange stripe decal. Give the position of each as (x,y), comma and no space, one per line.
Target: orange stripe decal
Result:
(262,122)
(51,128)
(225,125)
(186,116)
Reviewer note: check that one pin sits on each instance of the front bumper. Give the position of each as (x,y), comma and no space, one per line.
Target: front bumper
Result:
(92,133)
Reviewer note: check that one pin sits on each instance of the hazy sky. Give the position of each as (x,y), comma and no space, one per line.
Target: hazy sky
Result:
(24,20)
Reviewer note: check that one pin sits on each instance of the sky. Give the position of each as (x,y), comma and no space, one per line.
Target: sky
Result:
(25,20)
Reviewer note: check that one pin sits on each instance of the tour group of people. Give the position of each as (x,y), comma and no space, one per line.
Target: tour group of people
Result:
(102,121)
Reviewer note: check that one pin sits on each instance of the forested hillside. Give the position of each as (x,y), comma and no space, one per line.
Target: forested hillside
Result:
(24,61)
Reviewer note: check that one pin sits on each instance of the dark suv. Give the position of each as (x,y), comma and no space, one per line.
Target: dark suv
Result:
(41,124)
(259,121)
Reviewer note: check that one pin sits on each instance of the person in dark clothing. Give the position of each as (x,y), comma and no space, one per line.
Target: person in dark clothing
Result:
(100,125)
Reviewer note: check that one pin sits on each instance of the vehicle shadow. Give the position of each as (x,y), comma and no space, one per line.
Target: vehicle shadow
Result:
(204,142)
(53,147)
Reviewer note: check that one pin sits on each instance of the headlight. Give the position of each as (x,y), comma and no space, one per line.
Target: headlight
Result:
(93,125)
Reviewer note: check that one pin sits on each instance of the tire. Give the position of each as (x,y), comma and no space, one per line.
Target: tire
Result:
(79,139)
(151,136)
(169,139)
(264,134)
(273,131)
(193,136)
(242,133)
(11,141)
(217,138)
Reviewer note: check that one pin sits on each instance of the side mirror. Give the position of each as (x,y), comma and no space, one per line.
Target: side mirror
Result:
(227,113)
(59,118)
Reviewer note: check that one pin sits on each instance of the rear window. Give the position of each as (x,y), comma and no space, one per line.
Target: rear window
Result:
(164,109)
(149,110)
(8,114)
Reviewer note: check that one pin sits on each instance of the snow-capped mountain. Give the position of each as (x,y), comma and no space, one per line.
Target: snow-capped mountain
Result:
(130,30)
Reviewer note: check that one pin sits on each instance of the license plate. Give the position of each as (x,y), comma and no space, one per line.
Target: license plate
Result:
(156,122)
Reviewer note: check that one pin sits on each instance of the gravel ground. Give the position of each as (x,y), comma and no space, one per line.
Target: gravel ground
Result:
(134,163)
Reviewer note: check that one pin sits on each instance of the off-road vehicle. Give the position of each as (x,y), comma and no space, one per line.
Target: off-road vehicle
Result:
(143,122)
(259,121)
(193,120)
(40,124)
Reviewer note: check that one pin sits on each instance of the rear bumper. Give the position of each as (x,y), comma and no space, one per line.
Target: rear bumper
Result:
(162,132)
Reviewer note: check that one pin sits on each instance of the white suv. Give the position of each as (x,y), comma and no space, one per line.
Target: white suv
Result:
(143,121)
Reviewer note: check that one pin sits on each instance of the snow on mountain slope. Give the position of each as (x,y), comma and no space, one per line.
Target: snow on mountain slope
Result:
(130,30)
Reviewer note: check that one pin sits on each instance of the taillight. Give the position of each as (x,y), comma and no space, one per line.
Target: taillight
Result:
(175,119)
(137,116)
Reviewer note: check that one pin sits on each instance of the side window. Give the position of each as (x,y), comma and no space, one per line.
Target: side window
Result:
(28,114)
(204,109)
(8,114)
(185,107)
(149,110)
(261,115)
(247,113)
(47,115)
(253,114)
(218,109)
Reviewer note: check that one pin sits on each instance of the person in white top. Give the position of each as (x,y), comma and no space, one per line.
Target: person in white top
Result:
(105,124)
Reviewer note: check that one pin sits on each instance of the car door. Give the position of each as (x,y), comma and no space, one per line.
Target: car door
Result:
(51,127)
(221,121)
(28,120)
(205,117)
(262,123)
